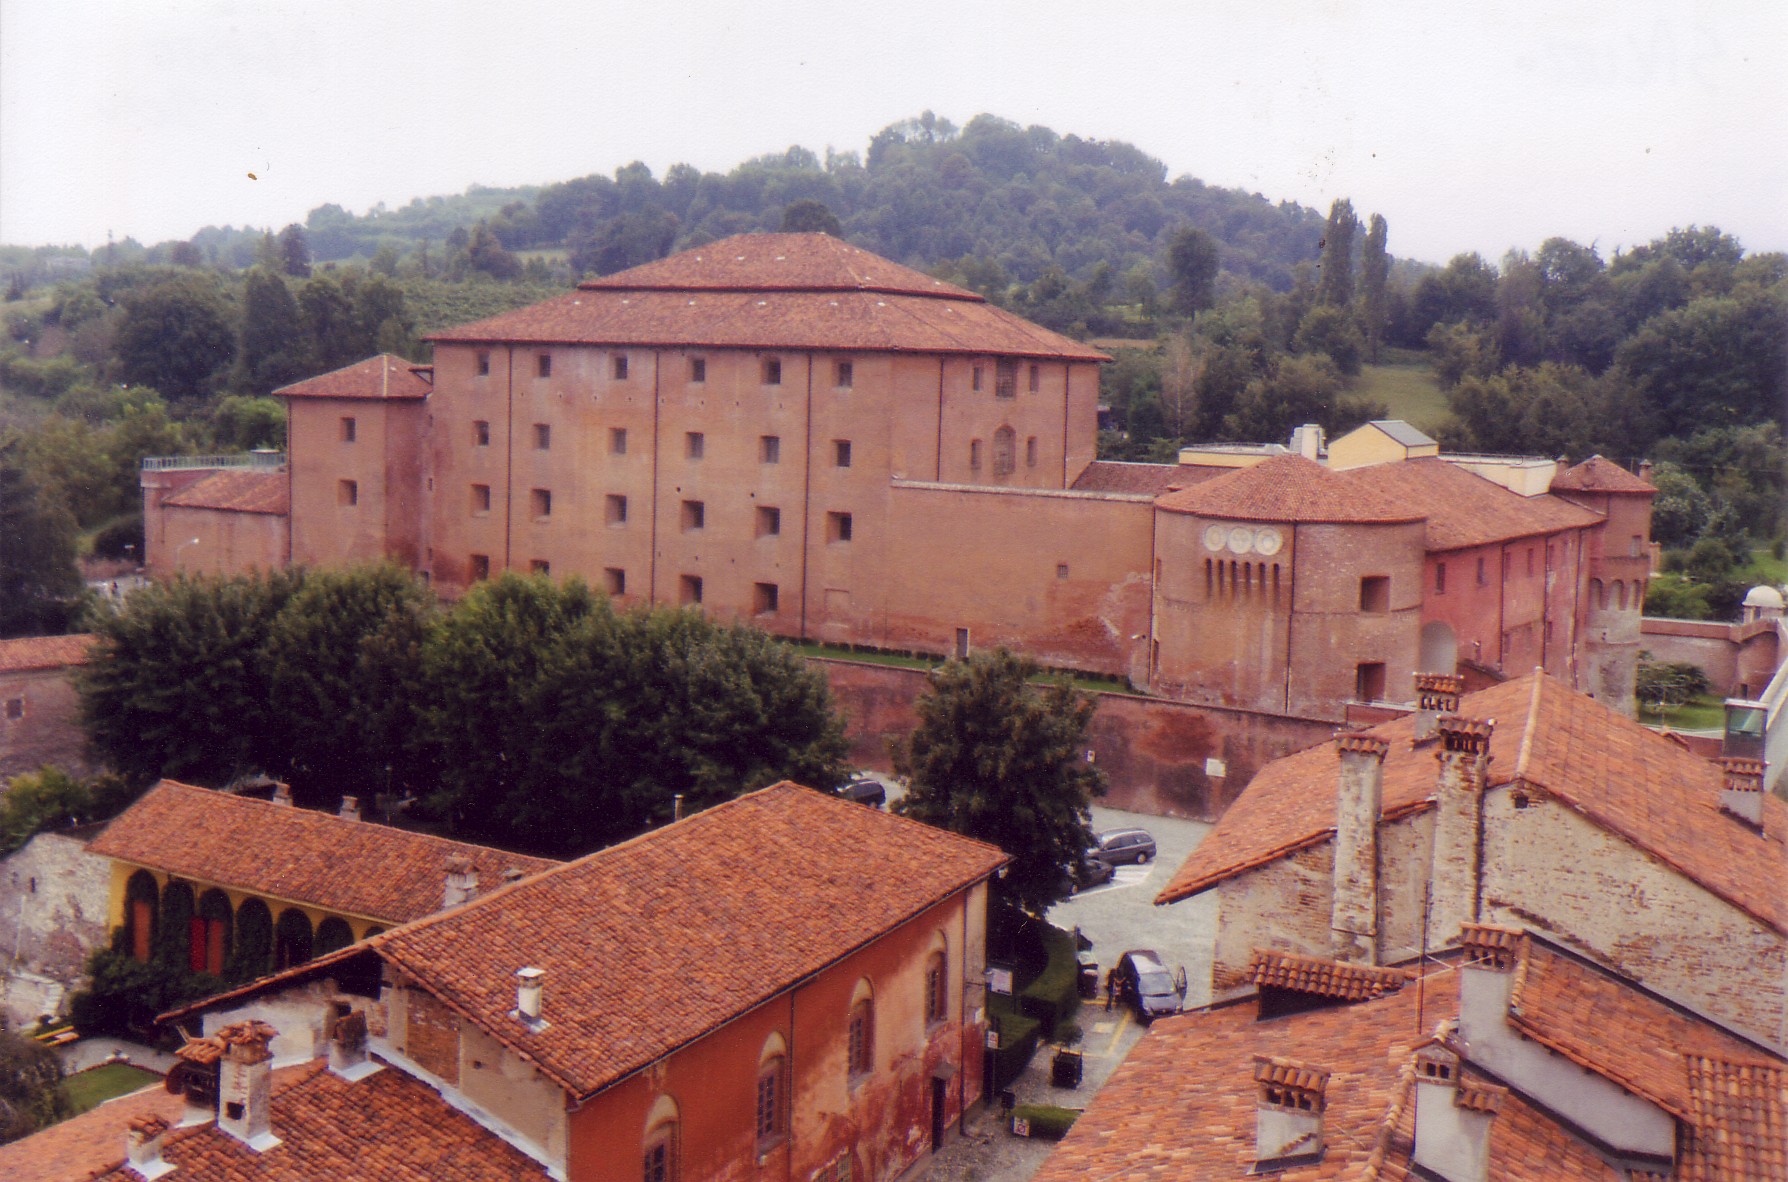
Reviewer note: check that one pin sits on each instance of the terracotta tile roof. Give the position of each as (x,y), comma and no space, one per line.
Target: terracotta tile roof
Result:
(1320,977)
(1738,1120)
(81,1145)
(825,296)
(1625,778)
(1288,488)
(348,867)
(1146,479)
(1465,509)
(383,376)
(1599,475)
(235,490)
(27,653)
(388,1127)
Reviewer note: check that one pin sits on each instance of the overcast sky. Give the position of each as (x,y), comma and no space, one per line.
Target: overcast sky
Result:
(1470,126)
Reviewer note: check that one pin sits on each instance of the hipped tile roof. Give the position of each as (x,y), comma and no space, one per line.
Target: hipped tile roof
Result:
(235,490)
(822,294)
(1599,475)
(1626,779)
(1289,488)
(25,654)
(353,868)
(384,376)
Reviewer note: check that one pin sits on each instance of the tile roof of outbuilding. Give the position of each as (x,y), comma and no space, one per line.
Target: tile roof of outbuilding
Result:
(1600,475)
(1144,479)
(24,654)
(384,376)
(1623,777)
(1322,977)
(299,855)
(823,295)
(235,490)
(1290,488)
(387,1127)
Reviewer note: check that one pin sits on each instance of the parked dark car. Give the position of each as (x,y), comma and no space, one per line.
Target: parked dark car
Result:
(864,790)
(1087,871)
(1143,982)
(1118,846)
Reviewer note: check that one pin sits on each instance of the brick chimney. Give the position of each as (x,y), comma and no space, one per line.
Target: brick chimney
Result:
(1741,789)
(1354,906)
(1453,1116)
(245,1084)
(350,808)
(1456,874)
(142,1147)
(1436,694)
(1287,1113)
(462,881)
(347,1044)
(282,793)
(530,987)
(195,1075)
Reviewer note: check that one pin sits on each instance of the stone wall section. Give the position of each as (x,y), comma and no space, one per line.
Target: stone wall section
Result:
(53,898)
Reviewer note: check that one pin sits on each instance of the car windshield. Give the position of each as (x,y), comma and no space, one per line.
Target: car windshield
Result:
(1154,983)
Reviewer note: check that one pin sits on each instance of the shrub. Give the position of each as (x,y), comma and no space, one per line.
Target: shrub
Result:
(1018,1041)
(1047,1122)
(1054,996)
(124,995)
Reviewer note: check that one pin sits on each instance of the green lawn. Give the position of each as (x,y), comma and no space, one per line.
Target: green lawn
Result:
(1701,713)
(93,1087)
(1764,567)
(1088,682)
(1406,385)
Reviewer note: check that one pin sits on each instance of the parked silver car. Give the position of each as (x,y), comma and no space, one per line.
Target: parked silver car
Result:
(1118,846)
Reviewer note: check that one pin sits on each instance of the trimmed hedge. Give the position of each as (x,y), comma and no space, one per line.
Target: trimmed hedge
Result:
(1018,1041)
(1047,1122)
(1054,996)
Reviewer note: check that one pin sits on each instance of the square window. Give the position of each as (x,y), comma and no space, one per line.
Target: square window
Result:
(543,436)
(615,580)
(483,362)
(689,589)
(617,441)
(698,369)
(838,527)
(843,376)
(480,434)
(481,566)
(769,521)
(1368,682)
(693,445)
(1061,570)
(764,598)
(15,708)
(1005,379)
(349,429)
(540,566)
(1375,593)
(841,453)
(540,501)
(619,367)
(543,364)
(348,492)
(481,498)
(615,509)
(975,378)
(1036,378)
(772,371)
(694,515)
(769,449)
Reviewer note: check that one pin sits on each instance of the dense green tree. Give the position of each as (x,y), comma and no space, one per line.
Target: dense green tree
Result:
(1715,362)
(1680,510)
(808,216)
(337,334)
(294,251)
(243,424)
(1193,258)
(1465,289)
(486,255)
(996,758)
(31,1095)
(276,347)
(1375,270)
(175,335)
(1743,469)
(1293,391)
(40,587)
(1551,409)
(1336,285)
(1330,330)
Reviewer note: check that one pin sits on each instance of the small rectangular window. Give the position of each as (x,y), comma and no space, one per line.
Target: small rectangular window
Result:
(975,378)
(764,598)
(543,364)
(1483,572)
(698,370)
(543,436)
(483,362)
(1036,378)
(1375,593)
(974,455)
(1440,578)
(1030,452)
(843,379)
(769,521)
(481,566)
(1530,560)
(689,589)
(841,453)
(615,580)
(694,443)
(838,527)
(769,449)
(695,515)
(481,498)
(540,501)
(772,371)
(1368,681)
(615,509)
(1636,549)
(1061,570)
(15,709)
(617,441)
(348,429)
(480,434)
(540,566)
(348,492)
(620,367)
(1005,379)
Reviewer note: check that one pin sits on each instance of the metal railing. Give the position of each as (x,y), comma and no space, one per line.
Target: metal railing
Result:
(250,459)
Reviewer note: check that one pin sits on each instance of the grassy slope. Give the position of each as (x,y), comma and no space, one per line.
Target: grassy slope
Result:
(1405,383)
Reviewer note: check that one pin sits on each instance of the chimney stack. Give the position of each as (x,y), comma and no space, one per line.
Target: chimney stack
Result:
(196,1076)
(142,1147)
(347,1044)
(530,984)
(1288,1112)
(1436,694)
(1741,789)
(282,793)
(462,881)
(1453,1117)
(245,1084)
(350,808)
(1456,874)
(1354,904)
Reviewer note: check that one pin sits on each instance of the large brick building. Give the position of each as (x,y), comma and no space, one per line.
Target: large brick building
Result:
(785,429)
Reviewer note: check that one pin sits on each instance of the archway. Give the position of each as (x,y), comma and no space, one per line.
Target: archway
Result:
(1440,648)
(292,939)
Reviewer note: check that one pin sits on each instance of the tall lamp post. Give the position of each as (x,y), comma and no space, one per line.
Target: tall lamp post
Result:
(180,547)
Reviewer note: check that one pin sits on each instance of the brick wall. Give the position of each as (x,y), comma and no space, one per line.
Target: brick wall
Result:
(432,1035)
(47,731)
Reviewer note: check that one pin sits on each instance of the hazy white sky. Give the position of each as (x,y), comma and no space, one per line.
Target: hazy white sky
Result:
(1470,126)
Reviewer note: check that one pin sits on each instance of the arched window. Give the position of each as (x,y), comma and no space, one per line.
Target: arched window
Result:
(333,933)
(1005,451)
(140,901)
(174,931)
(659,1148)
(975,455)
(1598,594)
(772,1092)
(292,939)
(937,982)
(254,941)
(209,943)
(860,1037)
